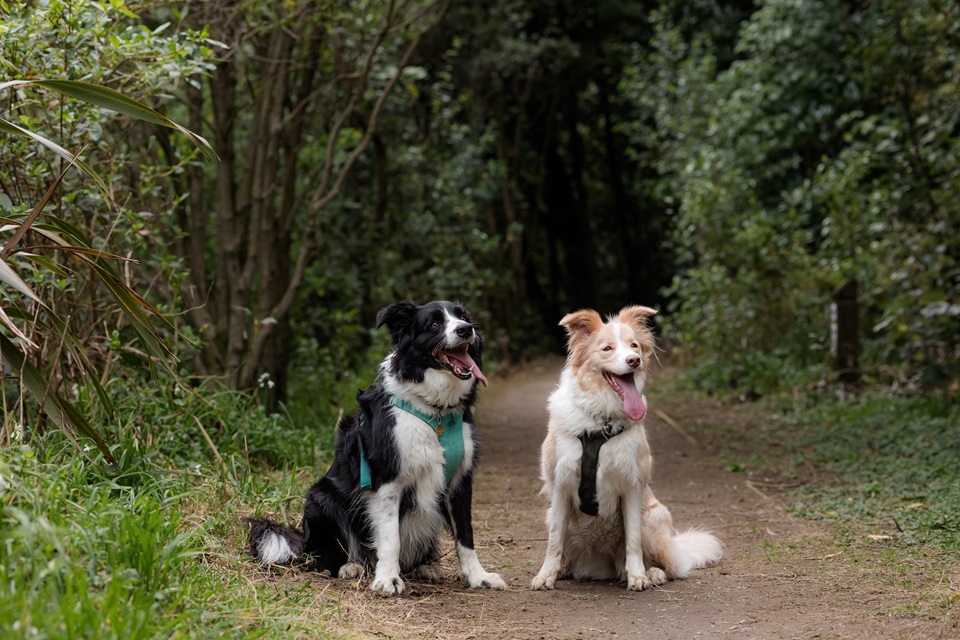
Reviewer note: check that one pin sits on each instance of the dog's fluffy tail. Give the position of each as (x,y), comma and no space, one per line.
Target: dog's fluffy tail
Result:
(692,549)
(273,543)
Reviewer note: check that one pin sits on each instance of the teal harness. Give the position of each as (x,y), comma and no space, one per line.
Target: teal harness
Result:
(449,430)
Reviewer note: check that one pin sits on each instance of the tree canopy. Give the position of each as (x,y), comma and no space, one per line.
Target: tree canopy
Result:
(730,162)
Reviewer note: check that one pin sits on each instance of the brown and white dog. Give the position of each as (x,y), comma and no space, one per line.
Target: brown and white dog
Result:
(604,521)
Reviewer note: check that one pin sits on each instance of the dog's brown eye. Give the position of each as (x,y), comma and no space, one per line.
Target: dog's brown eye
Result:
(634,345)
(607,348)
(434,325)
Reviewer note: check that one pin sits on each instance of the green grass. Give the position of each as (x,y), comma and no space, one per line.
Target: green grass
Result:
(895,465)
(892,492)
(154,548)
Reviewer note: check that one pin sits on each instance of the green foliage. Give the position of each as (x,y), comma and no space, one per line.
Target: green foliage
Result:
(889,195)
(822,149)
(153,545)
(210,424)
(895,461)
(139,552)
(61,238)
(298,225)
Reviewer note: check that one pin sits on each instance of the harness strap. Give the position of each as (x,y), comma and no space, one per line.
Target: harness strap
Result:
(365,481)
(589,462)
(448,429)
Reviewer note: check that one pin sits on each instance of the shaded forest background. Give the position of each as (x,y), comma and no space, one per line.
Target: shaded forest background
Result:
(730,163)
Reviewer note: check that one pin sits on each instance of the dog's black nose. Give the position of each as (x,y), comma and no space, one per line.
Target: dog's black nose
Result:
(464,331)
(633,362)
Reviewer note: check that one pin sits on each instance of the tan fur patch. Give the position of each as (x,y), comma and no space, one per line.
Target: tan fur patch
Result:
(580,325)
(636,318)
(588,334)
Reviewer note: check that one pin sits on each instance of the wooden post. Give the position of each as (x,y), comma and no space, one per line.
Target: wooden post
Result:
(845,332)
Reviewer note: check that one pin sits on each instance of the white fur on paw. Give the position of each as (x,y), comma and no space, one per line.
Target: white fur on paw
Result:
(488,581)
(350,571)
(544,581)
(638,583)
(392,585)
(427,572)
(657,576)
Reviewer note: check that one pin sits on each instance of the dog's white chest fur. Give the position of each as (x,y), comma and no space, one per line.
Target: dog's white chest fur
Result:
(422,471)
(624,461)
(422,455)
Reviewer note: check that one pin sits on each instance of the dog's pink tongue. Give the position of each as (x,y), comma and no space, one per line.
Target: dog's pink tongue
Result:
(632,400)
(467,362)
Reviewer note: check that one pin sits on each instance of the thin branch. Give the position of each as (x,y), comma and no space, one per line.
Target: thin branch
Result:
(327,168)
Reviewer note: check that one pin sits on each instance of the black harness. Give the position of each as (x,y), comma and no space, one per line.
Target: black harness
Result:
(591,443)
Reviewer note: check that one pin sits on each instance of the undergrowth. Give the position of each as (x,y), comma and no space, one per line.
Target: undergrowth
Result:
(153,547)
(892,493)
(882,469)
(895,464)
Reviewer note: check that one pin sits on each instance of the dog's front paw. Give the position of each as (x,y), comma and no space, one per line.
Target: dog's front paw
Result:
(638,582)
(487,581)
(350,571)
(545,580)
(391,585)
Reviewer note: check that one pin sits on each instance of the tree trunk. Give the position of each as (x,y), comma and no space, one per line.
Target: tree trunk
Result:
(268,206)
(845,331)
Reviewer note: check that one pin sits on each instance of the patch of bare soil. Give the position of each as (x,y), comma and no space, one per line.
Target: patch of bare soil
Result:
(781,577)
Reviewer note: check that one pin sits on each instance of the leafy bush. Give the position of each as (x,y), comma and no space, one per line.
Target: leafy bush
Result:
(72,307)
(824,149)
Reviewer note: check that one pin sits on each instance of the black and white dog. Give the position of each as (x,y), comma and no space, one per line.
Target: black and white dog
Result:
(403,467)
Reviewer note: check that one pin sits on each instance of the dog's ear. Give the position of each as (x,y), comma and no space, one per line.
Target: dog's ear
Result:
(398,316)
(581,324)
(635,316)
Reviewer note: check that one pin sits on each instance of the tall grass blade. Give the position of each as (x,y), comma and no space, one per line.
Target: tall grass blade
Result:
(114,101)
(84,251)
(131,304)
(9,127)
(68,238)
(12,278)
(15,330)
(56,326)
(35,213)
(66,416)
(45,263)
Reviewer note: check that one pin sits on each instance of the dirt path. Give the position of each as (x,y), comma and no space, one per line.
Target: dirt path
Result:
(780,578)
